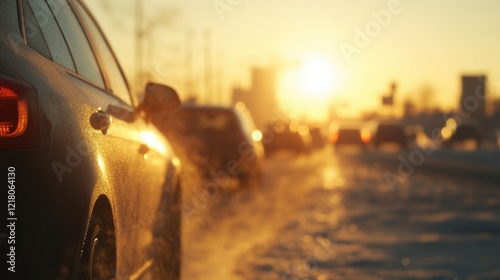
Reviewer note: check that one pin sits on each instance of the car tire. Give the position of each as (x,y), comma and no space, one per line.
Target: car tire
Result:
(99,254)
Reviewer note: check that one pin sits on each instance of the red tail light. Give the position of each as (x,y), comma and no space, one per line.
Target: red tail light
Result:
(366,135)
(19,117)
(334,137)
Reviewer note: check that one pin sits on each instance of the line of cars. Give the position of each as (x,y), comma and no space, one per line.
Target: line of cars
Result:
(394,134)
(224,141)
(365,136)
(292,137)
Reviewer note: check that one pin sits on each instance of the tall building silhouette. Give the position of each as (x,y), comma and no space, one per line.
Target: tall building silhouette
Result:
(260,99)
(473,97)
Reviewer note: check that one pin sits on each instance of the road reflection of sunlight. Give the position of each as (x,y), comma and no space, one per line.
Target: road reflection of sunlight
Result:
(333,216)
(153,141)
(103,169)
(331,178)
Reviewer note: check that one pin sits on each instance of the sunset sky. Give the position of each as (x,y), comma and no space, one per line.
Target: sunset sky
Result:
(357,48)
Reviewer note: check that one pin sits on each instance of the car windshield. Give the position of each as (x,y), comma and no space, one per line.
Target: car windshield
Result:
(206,121)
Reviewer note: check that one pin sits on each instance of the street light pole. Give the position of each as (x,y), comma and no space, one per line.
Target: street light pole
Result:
(139,32)
(188,64)
(208,67)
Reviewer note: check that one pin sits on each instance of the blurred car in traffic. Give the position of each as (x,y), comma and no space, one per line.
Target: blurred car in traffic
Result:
(288,137)
(390,133)
(349,137)
(467,134)
(218,140)
(349,134)
(412,132)
(93,187)
(318,137)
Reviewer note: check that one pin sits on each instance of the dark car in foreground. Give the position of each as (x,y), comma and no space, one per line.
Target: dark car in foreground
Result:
(90,186)
(221,141)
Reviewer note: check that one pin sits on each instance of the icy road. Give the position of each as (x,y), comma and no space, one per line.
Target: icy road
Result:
(329,216)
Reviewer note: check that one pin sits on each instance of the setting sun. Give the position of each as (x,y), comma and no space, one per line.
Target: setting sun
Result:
(306,91)
(317,77)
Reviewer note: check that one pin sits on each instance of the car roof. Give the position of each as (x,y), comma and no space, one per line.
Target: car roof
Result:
(347,129)
(346,125)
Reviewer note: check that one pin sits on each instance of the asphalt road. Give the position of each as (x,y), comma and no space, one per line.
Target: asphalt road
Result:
(346,216)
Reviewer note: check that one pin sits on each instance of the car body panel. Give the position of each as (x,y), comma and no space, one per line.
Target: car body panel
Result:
(76,165)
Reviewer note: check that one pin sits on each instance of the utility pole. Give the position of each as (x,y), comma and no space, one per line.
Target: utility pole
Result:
(218,80)
(188,64)
(208,68)
(138,43)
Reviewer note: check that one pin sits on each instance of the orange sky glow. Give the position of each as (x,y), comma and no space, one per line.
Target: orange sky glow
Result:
(341,53)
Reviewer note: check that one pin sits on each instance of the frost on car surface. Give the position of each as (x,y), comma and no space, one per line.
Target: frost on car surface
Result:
(94,187)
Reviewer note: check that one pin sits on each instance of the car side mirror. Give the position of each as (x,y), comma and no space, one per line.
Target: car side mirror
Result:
(159,99)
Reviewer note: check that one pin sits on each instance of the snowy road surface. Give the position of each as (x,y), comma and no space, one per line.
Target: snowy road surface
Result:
(335,216)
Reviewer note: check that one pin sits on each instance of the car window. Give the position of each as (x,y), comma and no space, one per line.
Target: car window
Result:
(83,56)
(34,36)
(54,39)
(115,79)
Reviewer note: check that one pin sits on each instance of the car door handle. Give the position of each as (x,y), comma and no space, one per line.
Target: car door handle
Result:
(100,121)
(143,149)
